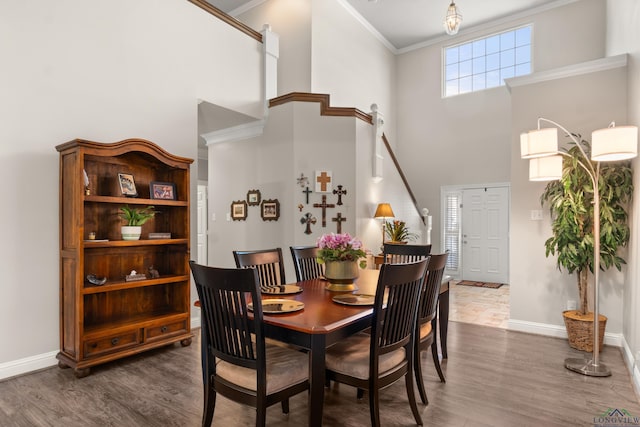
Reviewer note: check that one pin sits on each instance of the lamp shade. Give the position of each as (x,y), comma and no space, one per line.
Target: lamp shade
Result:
(539,143)
(545,168)
(384,211)
(614,143)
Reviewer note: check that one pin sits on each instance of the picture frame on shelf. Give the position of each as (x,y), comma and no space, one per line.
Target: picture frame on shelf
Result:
(239,210)
(162,190)
(253,197)
(270,210)
(127,185)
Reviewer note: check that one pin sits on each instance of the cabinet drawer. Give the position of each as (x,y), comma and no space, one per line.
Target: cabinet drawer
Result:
(111,343)
(167,329)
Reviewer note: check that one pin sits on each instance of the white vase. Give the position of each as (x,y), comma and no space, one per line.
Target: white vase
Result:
(131,232)
(341,275)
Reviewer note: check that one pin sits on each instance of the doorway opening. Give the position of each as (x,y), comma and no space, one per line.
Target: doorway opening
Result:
(475,232)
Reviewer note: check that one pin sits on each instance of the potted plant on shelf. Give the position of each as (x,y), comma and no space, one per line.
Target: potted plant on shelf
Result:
(342,255)
(570,201)
(135,217)
(398,232)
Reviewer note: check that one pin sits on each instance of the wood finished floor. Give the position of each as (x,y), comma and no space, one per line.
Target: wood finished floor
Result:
(495,377)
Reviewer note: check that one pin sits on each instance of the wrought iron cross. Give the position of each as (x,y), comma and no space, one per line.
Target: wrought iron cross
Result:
(338,220)
(307,192)
(324,205)
(340,192)
(308,219)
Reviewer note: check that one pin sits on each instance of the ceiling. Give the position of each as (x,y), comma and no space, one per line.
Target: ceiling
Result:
(404,23)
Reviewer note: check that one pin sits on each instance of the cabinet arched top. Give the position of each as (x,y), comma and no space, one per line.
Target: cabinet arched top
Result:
(124,147)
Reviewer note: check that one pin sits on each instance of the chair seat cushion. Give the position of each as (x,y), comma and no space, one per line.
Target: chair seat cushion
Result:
(425,330)
(351,357)
(285,367)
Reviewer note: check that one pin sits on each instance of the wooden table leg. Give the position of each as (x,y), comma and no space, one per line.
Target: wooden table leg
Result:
(443,317)
(316,379)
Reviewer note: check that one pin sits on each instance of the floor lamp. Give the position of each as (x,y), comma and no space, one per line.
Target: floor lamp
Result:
(545,164)
(383,211)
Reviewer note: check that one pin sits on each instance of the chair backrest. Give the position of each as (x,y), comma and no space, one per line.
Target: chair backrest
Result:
(431,289)
(395,307)
(268,263)
(399,254)
(226,325)
(305,262)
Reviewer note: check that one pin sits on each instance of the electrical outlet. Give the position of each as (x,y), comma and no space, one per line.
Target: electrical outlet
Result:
(228,216)
(536,215)
(571,304)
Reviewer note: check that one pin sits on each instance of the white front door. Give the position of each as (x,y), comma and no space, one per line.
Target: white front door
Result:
(202,225)
(485,234)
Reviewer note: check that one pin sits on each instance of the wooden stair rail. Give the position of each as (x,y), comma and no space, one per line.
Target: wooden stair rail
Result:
(403,177)
(327,110)
(203,4)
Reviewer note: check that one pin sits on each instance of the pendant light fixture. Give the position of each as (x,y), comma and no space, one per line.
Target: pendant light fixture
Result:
(452,20)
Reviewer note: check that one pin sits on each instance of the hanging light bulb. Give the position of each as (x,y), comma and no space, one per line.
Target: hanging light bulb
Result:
(452,20)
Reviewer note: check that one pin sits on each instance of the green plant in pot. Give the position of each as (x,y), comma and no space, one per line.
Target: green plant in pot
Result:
(571,203)
(397,231)
(135,218)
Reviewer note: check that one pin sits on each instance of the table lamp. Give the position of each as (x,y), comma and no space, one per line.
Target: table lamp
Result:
(383,211)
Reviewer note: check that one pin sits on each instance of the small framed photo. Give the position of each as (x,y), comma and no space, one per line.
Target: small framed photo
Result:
(127,185)
(239,210)
(162,190)
(253,197)
(270,210)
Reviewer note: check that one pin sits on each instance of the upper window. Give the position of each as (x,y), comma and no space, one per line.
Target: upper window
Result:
(485,63)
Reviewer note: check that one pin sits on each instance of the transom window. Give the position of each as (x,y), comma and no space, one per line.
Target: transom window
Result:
(485,63)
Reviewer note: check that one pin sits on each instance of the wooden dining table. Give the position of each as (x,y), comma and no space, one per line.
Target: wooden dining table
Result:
(320,324)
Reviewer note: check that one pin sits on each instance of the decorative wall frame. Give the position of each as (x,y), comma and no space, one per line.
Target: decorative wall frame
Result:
(253,197)
(239,210)
(270,210)
(127,185)
(162,190)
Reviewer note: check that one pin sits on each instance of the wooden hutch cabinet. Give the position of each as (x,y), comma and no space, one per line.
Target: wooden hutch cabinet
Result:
(103,322)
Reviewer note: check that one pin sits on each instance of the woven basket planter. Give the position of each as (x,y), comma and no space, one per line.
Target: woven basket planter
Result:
(580,329)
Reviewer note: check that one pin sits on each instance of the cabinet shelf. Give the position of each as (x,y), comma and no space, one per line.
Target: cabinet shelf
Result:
(131,243)
(121,284)
(134,201)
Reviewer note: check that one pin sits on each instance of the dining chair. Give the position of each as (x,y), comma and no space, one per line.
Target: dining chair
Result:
(398,254)
(268,263)
(426,324)
(372,361)
(305,262)
(236,360)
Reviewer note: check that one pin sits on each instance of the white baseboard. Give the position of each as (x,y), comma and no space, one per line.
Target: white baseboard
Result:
(27,364)
(556,331)
(46,360)
(632,365)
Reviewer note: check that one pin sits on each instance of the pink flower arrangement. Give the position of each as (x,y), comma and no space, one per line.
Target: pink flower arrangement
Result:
(340,247)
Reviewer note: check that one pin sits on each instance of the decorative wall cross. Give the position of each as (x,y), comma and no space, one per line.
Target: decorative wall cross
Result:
(323,181)
(307,192)
(324,205)
(303,180)
(338,220)
(308,219)
(340,192)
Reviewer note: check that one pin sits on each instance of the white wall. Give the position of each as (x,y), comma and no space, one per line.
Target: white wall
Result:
(350,64)
(291,20)
(539,292)
(103,71)
(623,36)
(466,139)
